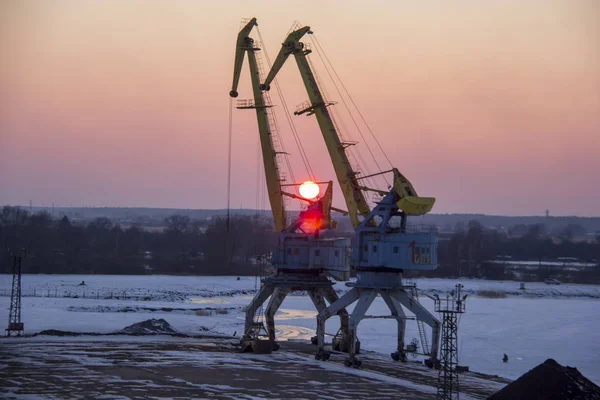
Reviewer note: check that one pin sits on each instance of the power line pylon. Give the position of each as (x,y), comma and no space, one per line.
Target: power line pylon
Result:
(15,326)
(450,308)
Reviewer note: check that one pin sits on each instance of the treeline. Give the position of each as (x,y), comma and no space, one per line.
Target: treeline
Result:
(185,246)
(479,252)
(220,247)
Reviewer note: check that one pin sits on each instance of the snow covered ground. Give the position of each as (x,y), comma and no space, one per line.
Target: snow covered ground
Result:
(181,288)
(529,331)
(529,325)
(122,367)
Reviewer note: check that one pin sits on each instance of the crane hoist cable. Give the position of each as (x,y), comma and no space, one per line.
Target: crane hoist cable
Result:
(318,45)
(283,152)
(295,134)
(275,125)
(229,137)
(258,175)
(227,252)
(321,53)
(354,152)
(291,124)
(335,117)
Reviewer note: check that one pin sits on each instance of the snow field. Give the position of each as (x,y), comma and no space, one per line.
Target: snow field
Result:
(559,322)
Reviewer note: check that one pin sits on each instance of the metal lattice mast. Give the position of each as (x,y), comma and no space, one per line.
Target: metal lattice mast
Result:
(450,307)
(15,326)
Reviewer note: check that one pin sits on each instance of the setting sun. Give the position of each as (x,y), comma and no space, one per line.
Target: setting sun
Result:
(309,190)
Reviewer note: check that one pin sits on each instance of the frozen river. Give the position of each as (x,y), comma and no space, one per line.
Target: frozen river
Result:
(551,323)
(528,330)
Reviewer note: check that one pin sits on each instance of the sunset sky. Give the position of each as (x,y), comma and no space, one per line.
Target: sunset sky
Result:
(489,106)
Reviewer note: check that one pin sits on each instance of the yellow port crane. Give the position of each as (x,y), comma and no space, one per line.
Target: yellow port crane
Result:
(303,260)
(382,250)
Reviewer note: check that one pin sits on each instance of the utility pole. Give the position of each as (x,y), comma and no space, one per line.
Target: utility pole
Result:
(15,326)
(450,308)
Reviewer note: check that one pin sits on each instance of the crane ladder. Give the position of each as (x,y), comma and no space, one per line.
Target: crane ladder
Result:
(275,138)
(414,293)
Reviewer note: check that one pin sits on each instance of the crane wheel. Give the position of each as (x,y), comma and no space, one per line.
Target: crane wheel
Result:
(322,355)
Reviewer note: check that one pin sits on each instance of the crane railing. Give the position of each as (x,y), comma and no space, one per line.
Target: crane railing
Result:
(249,103)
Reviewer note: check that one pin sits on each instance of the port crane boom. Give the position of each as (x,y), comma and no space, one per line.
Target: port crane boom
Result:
(245,44)
(355,199)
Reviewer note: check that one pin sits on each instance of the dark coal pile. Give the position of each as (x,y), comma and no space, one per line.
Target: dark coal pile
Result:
(550,381)
(150,327)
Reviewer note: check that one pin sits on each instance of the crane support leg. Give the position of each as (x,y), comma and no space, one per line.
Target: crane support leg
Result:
(398,313)
(395,299)
(334,308)
(318,300)
(258,300)
(366,297)
(332,297)
(277,298)
(422,314)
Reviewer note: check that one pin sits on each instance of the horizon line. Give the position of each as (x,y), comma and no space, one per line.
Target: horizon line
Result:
(53,206)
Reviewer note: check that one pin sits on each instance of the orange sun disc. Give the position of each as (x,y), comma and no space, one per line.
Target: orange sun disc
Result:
(309,190)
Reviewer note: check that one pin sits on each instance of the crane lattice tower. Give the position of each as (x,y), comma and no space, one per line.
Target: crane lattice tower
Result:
(450,308)
(15,326)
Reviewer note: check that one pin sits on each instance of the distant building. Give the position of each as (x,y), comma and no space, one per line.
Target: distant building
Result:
(587,238)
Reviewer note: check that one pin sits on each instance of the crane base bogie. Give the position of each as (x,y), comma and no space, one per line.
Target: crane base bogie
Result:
(258,346)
